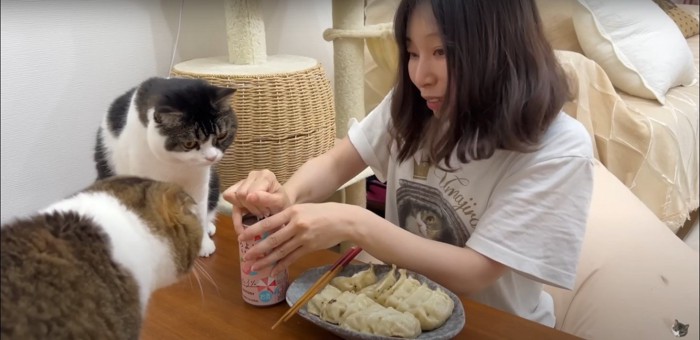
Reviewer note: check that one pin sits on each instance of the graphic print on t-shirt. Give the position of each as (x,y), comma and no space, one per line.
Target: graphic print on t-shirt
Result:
(423,210)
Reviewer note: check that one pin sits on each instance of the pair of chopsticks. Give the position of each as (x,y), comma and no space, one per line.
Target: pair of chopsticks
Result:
(320,283)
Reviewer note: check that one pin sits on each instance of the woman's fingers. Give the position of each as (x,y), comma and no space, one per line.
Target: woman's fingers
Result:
(280,257)
(239,196)
(230,194)
(293,232)
(246,193)
(269,224)
(237,218)
(238,209)
(250,204)
(273,202)
(288,260)
(277,254)
(263,180)
(271,243)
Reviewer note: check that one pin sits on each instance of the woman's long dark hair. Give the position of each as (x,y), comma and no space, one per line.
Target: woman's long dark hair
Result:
(505,85)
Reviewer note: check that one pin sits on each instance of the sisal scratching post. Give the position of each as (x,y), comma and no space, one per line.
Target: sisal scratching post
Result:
(348,60)
(245,31)
(284,103)
(349,33)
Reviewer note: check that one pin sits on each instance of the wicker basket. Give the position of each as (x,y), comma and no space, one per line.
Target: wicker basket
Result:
(283,120)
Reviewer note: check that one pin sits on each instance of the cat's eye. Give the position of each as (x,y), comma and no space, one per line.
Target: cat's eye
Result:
(190,145)
(222,136)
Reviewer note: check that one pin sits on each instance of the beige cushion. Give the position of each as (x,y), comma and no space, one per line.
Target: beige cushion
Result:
(642,51)
(635,276)
(685,20)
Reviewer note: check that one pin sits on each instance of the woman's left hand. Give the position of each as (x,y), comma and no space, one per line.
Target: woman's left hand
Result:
(298,230)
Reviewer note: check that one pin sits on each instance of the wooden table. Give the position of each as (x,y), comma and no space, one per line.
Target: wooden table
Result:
(184,311)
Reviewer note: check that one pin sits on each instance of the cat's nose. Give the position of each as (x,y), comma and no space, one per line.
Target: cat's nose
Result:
(211,158)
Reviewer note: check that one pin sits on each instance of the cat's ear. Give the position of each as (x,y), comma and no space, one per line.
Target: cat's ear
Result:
(223,94)
(166,115)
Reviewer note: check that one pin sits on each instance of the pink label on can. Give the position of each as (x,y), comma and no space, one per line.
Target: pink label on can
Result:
(259,287)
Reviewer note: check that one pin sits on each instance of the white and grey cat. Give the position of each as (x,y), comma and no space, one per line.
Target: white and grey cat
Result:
(425,223)
(679,329)
(86,266)
(172,130)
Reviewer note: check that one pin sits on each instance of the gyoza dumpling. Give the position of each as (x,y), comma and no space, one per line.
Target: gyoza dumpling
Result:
(356,282)
(360,304)
(315,305)
(357,321)
(402,289)
(430,307)
(334,310)
(391,322)
(373,291)
(385,322)
(383,295)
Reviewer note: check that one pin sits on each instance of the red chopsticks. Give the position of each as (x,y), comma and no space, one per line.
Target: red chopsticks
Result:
(320,283)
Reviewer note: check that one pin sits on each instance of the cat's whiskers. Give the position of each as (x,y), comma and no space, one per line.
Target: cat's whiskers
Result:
(189,278)
(203,271)
(201,290)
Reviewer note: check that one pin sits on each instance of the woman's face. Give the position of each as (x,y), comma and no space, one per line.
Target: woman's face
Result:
(427,64)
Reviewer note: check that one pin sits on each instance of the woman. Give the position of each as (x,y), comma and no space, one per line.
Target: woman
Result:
(488,182)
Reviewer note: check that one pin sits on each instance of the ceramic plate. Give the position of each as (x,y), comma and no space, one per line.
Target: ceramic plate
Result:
(452,326)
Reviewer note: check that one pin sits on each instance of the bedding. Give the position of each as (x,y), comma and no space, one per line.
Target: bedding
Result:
(650,147)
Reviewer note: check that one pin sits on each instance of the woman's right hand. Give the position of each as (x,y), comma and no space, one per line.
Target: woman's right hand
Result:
(260,194)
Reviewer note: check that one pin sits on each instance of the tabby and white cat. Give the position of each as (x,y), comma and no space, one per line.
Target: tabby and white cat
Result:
(172,130)
(85,267)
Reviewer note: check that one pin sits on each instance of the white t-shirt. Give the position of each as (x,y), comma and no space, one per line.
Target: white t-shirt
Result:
(527,211)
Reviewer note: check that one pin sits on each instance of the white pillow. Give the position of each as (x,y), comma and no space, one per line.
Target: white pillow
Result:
(637,44)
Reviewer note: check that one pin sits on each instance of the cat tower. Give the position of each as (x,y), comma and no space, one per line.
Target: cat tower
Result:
(284,103)
(349,35)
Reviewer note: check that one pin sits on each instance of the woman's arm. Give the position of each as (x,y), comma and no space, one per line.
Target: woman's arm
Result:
(462,270)
(304,228)
(261,194)
(320,177)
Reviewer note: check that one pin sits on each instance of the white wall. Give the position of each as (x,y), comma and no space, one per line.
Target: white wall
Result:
(63,62)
